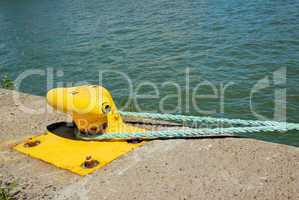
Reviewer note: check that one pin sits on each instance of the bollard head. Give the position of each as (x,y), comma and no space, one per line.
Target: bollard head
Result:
(91,107)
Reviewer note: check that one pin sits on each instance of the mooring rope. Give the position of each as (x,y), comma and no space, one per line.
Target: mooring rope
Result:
(247,127)
(197,119)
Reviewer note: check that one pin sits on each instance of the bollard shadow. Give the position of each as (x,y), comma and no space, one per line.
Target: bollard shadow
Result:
(63,129)
(68,130)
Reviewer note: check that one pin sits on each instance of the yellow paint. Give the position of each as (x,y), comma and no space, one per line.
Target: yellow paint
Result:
(88,106)
(91,107)
(70,154)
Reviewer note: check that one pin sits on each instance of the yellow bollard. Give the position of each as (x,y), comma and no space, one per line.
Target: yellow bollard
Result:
(94,112)
(91,107)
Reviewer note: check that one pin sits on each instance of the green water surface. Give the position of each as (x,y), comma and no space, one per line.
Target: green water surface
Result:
(233,41)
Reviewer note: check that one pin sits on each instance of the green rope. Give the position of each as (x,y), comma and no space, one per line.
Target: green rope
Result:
(249,127)
(209,120)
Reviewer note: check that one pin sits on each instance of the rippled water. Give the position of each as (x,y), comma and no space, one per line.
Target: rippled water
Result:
(238,42)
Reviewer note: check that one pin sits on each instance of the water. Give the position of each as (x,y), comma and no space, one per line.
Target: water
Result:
(222,42)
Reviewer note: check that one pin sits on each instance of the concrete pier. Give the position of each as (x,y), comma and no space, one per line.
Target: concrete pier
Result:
(222,168)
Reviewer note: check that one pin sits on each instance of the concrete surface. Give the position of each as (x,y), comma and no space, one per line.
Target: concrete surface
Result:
(223,168)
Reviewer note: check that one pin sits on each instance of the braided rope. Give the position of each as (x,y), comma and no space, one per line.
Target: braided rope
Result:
(251,126)
(205,132)
(210,120)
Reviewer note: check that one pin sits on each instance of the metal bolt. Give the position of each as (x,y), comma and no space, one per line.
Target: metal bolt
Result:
(90,163)
(31,143)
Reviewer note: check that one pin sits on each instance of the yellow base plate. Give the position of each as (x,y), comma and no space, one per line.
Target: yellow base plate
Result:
(70,154)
